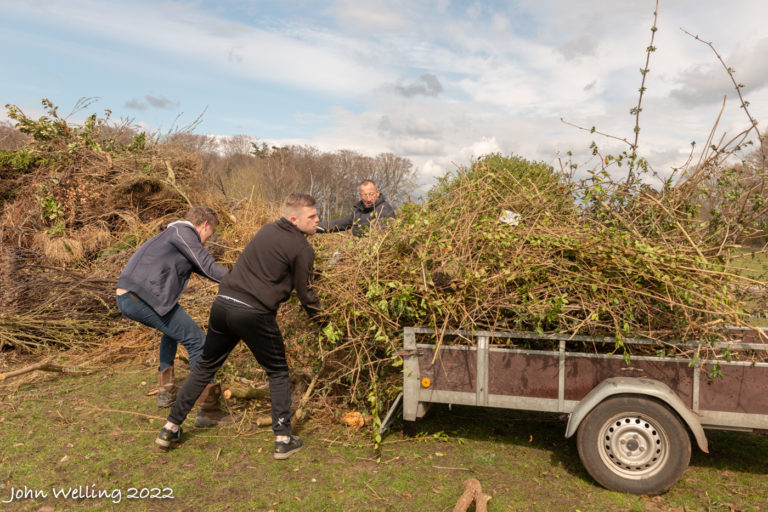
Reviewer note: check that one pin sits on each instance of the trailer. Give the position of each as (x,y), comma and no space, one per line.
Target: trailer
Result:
(633,421)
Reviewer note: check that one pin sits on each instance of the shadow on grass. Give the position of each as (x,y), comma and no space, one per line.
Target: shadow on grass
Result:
(745,452)
(734,451)
(541,431)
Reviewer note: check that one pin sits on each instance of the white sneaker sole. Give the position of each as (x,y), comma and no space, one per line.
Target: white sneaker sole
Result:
(283,456)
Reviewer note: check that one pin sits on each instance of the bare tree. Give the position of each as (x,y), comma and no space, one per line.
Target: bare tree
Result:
(11,138)
(244,167)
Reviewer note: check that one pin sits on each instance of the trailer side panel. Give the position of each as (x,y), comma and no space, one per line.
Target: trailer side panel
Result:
(742,388)
(582,374)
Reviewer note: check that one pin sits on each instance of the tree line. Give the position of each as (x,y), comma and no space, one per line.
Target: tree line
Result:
(241,167)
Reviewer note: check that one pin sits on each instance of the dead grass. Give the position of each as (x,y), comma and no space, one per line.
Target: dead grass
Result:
(57,250)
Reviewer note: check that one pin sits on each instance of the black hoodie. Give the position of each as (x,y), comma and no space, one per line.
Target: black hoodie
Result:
(277,260)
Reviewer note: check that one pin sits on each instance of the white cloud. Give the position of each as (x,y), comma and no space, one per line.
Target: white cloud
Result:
(584,45)
(417,147)
(484,146)
(426,85)
(500,23)
(367,15)
(440,82)
(305,59)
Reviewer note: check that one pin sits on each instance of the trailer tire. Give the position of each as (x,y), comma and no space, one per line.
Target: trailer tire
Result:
(634,444)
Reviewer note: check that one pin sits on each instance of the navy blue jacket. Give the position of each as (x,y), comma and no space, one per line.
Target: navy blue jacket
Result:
(160,269)
(361,218)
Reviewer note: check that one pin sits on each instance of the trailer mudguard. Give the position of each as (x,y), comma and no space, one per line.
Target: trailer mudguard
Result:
(636,386)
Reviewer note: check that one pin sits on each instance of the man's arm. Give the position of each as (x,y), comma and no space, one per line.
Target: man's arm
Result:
(303,271)
(188,243)
(331,226)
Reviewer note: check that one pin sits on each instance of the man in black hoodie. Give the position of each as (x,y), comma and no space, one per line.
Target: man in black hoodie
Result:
(276,260)
(370,211)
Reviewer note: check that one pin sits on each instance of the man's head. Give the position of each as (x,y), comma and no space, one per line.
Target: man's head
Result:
(300,211)
(204,219)
(369,194)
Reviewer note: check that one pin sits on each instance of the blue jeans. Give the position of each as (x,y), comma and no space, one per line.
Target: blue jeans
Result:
(176,325)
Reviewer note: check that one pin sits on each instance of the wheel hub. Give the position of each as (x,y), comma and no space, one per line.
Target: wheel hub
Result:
(633,446)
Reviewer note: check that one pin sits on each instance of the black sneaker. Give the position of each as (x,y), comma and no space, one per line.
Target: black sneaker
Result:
(167,438)
(286,449)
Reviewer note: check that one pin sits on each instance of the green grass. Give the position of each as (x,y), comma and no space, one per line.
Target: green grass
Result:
(753,263)
(98,431)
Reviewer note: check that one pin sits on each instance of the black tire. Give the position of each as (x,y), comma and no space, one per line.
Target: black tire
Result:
(634,444)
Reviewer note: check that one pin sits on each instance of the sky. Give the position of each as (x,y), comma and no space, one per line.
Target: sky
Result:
(437,81)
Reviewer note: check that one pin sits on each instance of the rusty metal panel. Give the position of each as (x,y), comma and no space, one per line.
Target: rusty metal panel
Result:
(453,370)
(745,336)
(742,388)
(582,374)
(530,375)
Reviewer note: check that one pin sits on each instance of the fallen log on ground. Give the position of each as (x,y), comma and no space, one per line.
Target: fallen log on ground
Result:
(473,493)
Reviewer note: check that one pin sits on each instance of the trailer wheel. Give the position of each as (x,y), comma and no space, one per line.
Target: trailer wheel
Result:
(634,444)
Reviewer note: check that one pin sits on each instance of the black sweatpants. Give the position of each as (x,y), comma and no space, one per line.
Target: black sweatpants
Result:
(230,322)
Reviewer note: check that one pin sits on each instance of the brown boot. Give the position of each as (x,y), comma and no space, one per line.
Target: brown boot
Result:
(166,388)
(209,411)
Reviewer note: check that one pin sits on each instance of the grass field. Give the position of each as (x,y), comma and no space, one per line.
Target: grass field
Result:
(94,435)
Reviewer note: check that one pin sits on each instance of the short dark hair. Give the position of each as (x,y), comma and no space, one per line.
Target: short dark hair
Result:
(297,200)
(199,214)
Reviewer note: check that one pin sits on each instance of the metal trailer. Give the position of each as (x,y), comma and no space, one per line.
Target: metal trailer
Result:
(633,423)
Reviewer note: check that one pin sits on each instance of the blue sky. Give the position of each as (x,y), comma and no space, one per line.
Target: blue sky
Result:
(436,81)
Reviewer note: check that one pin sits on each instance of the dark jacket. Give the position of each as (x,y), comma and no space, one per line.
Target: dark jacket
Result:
(361,218)
(159,270)
(277,260)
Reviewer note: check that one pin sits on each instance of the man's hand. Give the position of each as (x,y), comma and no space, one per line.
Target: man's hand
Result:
(321,320)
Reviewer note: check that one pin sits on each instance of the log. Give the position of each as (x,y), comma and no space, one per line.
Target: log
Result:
(249,392)
(246,393)
(473,493)
(298,386)
(354,419)
(263,421)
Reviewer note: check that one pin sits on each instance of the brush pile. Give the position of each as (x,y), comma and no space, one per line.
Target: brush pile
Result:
(511,244)
(75,202)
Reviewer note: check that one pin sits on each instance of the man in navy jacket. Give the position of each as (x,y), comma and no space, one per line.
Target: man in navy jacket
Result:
(148,292)
(369,211)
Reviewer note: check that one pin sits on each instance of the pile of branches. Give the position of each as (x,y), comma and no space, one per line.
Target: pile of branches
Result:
(53,307)
(516,245)
(570,262)
(76,201)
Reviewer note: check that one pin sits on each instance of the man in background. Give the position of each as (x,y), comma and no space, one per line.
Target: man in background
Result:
(276,260)
(148,292)
(370,211)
